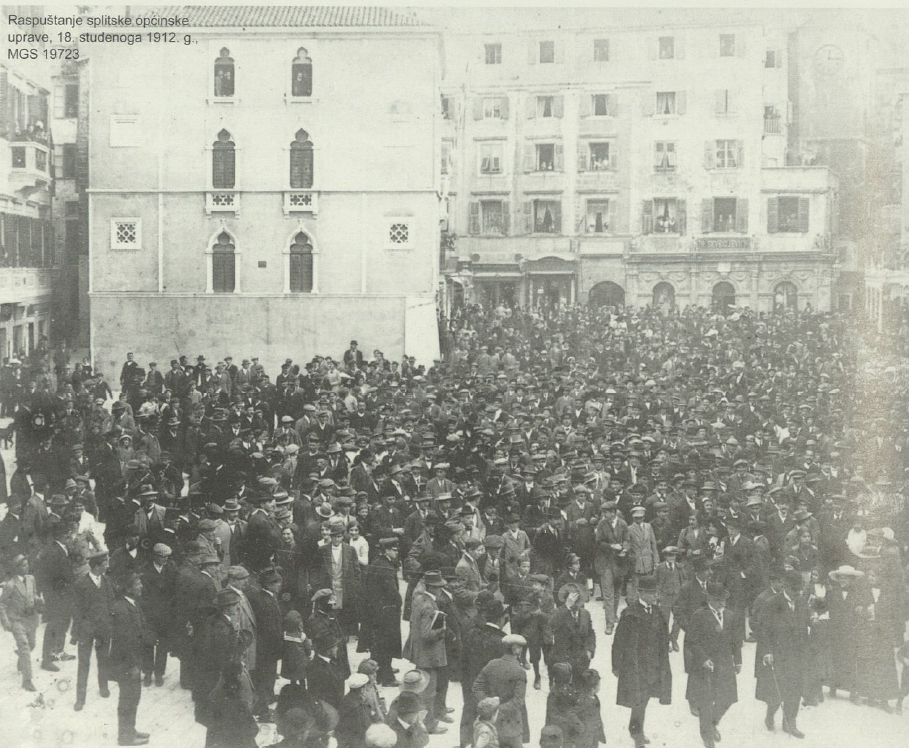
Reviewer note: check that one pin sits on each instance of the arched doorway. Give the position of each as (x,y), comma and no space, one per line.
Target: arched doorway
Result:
(663,297)
(723,296)
(606,293)
(785,296)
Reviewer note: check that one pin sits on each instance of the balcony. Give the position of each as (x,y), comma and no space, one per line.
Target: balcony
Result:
(773,125)
(29,166)
(222,201)
(19,284)
(301,201)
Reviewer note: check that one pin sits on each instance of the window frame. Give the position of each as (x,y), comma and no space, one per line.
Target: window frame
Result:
(296,146)
(115,244)
(540,50)
(492,107)
(608,212)
(674,100)
(660,44)
(68,87)
(538,153)
(729,150)
(727,37)
(671,168)
(496,49)
(210,262)
(295,61)
(599,44)
(610,158)
(536,203)
(214,149)
(503,216)
(212,98)
(483,145)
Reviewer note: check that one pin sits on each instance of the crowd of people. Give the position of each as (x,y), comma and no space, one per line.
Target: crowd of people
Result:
(738,478)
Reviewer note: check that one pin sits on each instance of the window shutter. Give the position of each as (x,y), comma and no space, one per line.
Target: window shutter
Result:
(582,156)
(681,102)
(680,48)
(584,104)
(648,104)
(529,157)
(59,100)
(473,223)
(804,214)
(528,217)
(741,215)
(739,154)
(647,217)
(613,214)
(506,217)
(558,106)
(533,52)
(580,216)
(654,48)
(503,107)
(613,104)
(681,212)
(706,215)
(530,107)
(559,158)
(773,215)
(557,217)
(478,108)
(709,154)
(739,45)
(719,101)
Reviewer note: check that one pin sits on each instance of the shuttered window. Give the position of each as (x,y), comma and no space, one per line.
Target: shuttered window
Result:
(224,161)
(224,264)
(301,264)
(301,161)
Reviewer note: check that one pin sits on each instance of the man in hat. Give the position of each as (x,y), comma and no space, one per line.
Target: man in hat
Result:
(640,658)
(159,583)
(610,560)
(238,581)
(848,601)
(425,645)
(190,594)
(407,721)
(149,519)
(338,569)
(56,582)
(380,632)
(269,638)
(356,714)
(517,544)
(440,483)
(324,677)
(505,679)
(94,602)
(130,636)
(713,658)
(783,640)
(482,644)
(263,536)
(574,640)
(642,549)
(19,615)
(670,578)
(468,568)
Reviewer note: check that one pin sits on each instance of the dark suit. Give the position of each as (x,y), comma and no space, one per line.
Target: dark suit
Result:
(482,644)
(159,590)
(348,599)
(131,636)
(380,633)
(92,628)
(54,576)
(325,681)
(269,643)
(712,692)
(262,540)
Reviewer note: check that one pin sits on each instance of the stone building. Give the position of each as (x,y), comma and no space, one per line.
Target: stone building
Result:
(649,160)
(269,190)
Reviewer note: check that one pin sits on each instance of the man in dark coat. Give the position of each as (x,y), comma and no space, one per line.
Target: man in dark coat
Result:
(94,602)
(263,536)
(640,658)
(130,637)
(324,676)
(783,636)
(269,638)
(482,643)
(713,658)
(574,640)
(356,714)
(339,570)
(55,580)
(159,582)
(848,600)
(380,633)
(505,679)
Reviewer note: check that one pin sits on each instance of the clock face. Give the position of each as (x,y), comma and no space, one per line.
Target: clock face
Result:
(829,59)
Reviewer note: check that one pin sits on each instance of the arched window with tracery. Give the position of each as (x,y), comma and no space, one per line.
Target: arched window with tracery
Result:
(302,264)
(224,264)
(301,161)
(224,74)
(301,74)
(224,162)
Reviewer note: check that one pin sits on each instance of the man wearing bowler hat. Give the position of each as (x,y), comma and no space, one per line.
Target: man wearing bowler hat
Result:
(713,658)
(640,658)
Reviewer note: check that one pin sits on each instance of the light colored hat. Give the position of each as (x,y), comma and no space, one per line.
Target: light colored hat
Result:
(514,639)
(845,572)
(415,681)
(357,680)
(161,549)
(237,572)
(380,736)
(487,707)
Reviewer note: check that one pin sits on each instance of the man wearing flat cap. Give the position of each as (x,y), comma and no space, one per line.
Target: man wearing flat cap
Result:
(159,583)
(713,658)
(505,679)
(380,632)
(95,598)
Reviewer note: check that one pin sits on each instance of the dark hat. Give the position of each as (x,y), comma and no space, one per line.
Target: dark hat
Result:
(493,542)
(494,609)
(408,702)
(227,597)
(269,577)
(388,543)
(433,579)
(717,590)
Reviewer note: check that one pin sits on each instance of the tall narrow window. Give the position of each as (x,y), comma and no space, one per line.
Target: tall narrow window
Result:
(301,74)
(301,161)
(301,264)
(224,162)
(224,269)
(224,74)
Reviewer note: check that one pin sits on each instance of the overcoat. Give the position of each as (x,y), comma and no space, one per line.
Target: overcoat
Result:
(706,640)
(640,657)
(380,631)
(504,677)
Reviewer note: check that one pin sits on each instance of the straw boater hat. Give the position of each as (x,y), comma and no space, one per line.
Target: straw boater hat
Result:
(845,572)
